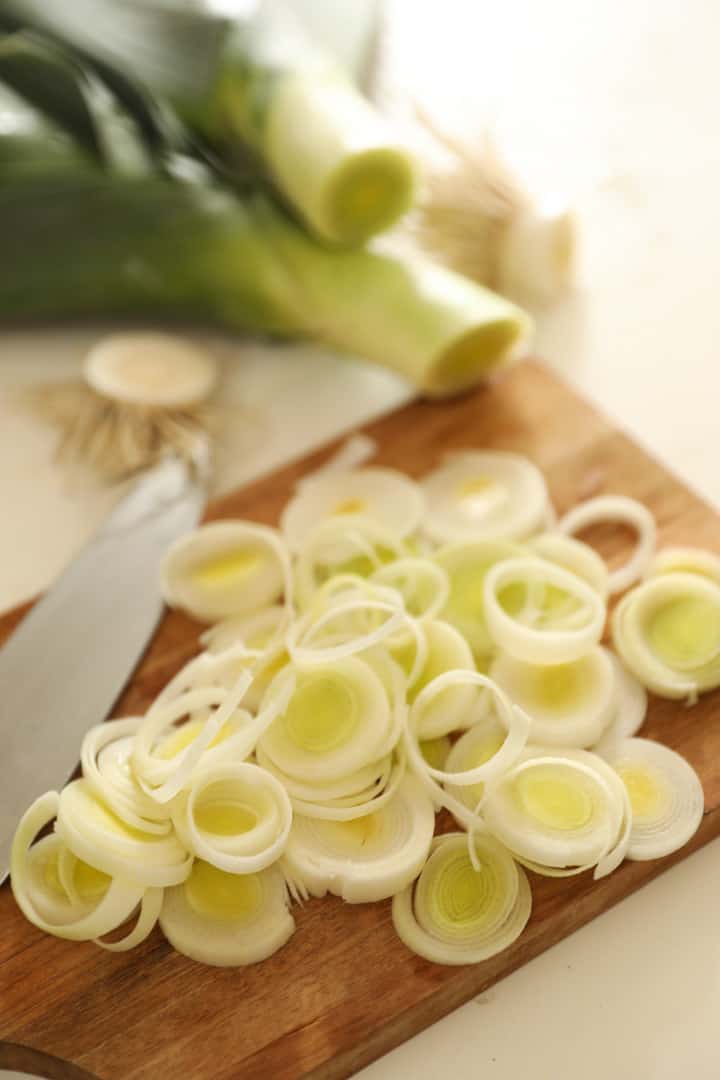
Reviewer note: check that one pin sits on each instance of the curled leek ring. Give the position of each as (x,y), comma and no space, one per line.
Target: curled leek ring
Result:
(617,508)
(513,720)
(116,899)
(235,816)
(667,632)
(542,644)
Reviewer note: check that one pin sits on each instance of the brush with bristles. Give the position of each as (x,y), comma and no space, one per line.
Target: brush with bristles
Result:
(477,218)
(143,396)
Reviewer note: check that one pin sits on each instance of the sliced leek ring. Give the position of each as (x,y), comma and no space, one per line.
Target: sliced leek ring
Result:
(358,545)
(235,816)
(150,369)
(467,565)
(665,794)
(370,858)
(561,813)
(687,560)
(33,873)
(447,650)
(389,497)
(568,704)
(573,555)
(456,914)
(335,722)
(550,640)
(226,568)
(100,838)
(667,632)
(227,919)
(629,711)
(617,508)
(483,494)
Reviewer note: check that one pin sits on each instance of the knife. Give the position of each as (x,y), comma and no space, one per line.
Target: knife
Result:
(64,667)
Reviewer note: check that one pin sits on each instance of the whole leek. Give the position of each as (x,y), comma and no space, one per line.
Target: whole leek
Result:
(256,84)
(127,231)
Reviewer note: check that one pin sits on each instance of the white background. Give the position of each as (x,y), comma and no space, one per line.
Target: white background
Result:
(620,102)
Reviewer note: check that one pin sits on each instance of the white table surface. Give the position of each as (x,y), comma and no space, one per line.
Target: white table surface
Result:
(622,99)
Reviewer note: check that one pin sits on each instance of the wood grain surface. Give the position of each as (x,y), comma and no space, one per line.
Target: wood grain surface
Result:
(344,990)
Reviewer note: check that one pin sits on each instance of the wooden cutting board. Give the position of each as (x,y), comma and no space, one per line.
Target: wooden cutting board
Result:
(344,990)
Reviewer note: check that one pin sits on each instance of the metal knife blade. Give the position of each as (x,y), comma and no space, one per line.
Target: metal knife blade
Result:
(67,662)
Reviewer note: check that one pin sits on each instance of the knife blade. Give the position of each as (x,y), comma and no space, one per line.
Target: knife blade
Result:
(65,665)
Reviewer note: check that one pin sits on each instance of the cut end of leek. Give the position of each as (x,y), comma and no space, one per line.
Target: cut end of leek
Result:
(370,192)
(151,369)
(538,254)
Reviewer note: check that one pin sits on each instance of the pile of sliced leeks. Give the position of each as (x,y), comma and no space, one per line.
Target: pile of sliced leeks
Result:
(394,649)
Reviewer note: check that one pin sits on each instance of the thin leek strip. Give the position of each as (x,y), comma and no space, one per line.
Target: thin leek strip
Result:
(358,805)
(258,632)
(541,644)
(384,495)
(337,546)
(667,632)
(573,555)
(623,510)
(665,794)
(475,746)
(300,636)
(335,722)
(227,919)
(234,816)
(630,709)
(116,899)
(568,704)
(484,494)
(225,568)
(105,760)
(163,778)
(447,650)
(458,915)
(516,726)
(467,565)
(150,907)
(368,859)
(97,836)
(687,560)
(423,585)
